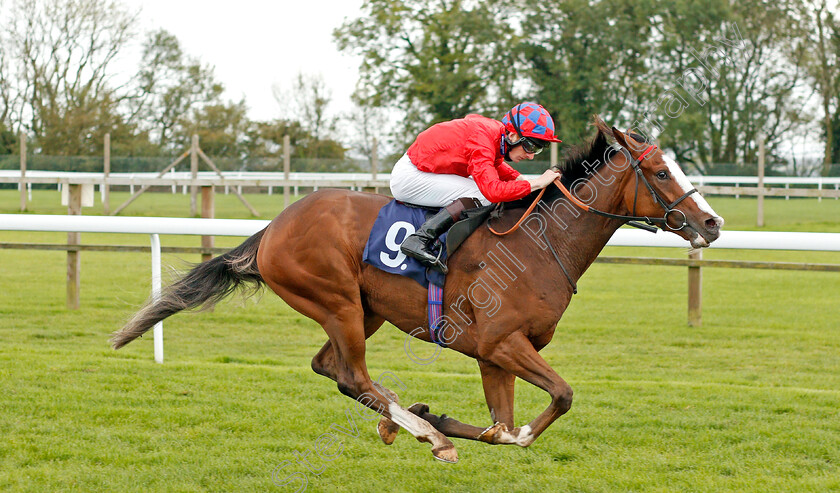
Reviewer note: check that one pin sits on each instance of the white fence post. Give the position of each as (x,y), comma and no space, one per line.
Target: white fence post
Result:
(156,288)
(287,168)
(760,219)
(22,186)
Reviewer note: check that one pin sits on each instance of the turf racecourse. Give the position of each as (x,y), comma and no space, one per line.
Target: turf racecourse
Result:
(748,402)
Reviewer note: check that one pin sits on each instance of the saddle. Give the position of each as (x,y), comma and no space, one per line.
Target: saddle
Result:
(461,230)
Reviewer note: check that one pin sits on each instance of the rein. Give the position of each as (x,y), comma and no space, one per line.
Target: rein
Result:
(526,214)
(669,208)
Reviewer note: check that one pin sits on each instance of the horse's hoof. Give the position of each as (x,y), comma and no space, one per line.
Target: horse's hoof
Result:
(446,453)
(387,430)
(492,433)
(419,409)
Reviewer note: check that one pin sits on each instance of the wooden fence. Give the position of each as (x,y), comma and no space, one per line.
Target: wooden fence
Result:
(206,227)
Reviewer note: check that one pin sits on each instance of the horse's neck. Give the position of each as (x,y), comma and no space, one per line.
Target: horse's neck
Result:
(582,235)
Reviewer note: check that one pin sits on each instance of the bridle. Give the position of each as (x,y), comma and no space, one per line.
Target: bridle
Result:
(670,208)
(632,220)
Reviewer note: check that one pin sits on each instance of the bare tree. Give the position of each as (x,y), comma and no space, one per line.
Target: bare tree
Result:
(170,85)
(64,93)
(364,125)
(307,102)
(5,83)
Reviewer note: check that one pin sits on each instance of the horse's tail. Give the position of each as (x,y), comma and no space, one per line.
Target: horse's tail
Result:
(205,285)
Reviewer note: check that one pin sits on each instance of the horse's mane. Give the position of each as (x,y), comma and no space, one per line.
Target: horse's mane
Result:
(579,162)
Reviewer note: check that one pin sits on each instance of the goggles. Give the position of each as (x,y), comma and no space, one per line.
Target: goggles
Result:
(529,145)
(532,146)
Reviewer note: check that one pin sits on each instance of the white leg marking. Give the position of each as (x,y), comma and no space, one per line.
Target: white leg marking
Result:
(686,185)
(523,438)
(418,427)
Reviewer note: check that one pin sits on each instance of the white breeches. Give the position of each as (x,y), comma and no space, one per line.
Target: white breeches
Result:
(409,184)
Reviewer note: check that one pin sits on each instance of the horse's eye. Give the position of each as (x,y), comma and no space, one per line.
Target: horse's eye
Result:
(662,175)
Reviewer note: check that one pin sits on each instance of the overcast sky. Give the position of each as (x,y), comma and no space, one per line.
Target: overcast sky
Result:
(255,44)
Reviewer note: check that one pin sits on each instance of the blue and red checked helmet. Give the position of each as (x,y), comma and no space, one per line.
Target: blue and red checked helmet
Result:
(530,120)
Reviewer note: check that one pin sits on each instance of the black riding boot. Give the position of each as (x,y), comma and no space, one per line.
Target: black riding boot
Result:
(419,244)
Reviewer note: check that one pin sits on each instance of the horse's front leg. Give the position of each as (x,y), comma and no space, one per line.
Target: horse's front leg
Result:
(518,356)
(498,390)
(514,357)
(498,386)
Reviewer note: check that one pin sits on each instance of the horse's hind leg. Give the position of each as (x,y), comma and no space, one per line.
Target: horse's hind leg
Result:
(343,360)
(327,291)
(324,363)
(347,337)
(449,426)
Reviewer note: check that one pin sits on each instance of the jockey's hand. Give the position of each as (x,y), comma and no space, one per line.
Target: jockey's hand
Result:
(544,180)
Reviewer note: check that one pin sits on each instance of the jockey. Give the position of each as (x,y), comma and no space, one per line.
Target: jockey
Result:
(460,164)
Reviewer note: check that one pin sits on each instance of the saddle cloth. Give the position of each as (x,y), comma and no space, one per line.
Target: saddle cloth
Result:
(395,222)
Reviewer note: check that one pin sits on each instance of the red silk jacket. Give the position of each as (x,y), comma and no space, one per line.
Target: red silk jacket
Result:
(469,147)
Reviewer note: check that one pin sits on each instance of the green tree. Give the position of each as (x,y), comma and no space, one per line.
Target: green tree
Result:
(435,60)
(732,76)
(222,129)
(80,130)
(265,147)
(266,138)
(833,169)
(587,57)
(8,140)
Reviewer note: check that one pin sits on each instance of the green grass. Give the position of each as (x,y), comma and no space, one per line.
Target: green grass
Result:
(748,402)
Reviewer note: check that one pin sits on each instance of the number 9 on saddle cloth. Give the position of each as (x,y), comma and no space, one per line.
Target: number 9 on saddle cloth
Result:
(396,221)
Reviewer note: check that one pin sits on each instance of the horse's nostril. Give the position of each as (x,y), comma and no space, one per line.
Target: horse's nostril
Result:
(712,225)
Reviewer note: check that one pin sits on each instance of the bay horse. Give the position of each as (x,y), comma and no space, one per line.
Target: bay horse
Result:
(311,256)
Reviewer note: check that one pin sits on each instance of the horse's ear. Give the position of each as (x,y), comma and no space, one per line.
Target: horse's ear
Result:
(619,137)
